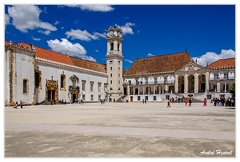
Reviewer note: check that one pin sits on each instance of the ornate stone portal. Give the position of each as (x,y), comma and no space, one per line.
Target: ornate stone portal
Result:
(51,91)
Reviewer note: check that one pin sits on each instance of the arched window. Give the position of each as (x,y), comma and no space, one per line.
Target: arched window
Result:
(111,45)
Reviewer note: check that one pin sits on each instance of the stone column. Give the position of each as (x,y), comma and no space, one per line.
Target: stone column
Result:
(225,87)
(128,90)
(143,90)
(176,83)
(218,87)
(166,88)
(185,83)
(196,83)
(207,82)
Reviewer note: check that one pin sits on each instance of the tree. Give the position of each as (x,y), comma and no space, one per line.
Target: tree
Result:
(232,89)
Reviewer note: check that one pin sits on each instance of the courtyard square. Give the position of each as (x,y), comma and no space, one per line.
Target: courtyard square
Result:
(120,130)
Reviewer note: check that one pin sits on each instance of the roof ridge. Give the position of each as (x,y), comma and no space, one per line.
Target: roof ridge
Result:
(86,60)
(163,55)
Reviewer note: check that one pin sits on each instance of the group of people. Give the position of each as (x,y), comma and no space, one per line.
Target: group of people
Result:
(187,102)
(223,101)
(21,104)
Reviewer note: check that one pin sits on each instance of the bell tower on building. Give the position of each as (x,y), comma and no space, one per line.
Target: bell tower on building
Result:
(114,63)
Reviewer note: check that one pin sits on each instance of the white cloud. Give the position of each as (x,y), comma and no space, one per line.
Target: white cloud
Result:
(103,35)
(210,57)
(46,32)
(94,8)
(89,58)
(129,61)
(56,22)
(127,28)
(36,39)
(7,19)
(83,35)
(96,51)
(26,17)
(150,55)
(66,47)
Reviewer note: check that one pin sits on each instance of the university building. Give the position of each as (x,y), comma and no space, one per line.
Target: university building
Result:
(39,76)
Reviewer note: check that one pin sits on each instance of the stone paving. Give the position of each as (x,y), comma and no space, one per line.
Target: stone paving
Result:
(120,130)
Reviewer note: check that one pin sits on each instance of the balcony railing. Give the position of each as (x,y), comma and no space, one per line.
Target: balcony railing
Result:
(72,88)
(224,78)
(151,83)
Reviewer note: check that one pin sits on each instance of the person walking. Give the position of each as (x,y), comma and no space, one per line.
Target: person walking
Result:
(16,105)
(205,102)
(186,102)
(21,104)
(168,104)
(190,102)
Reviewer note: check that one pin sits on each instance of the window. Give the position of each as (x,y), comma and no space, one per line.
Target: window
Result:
(91,86)
(119,82)
(111,44)
(215,76)
(110,75)
(25,86)
(83,85)
(209,96)
(110,61)
(83,97)
(105,87)
(139,98)
(110,81)
(99,87)
(63,82)
(37,79)
(146,97)
(154,98)
(167,97)
(226,76)
(91,97)
(110,68)
(110,88)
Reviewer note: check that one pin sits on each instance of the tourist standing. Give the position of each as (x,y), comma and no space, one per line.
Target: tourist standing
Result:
(190,102)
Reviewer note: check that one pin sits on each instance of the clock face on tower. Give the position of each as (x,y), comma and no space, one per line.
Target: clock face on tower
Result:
(111,33)
(119,34)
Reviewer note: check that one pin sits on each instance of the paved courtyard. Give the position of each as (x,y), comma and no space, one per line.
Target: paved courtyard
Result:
(120,130)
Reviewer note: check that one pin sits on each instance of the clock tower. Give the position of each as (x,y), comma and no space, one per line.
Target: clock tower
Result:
(114,63)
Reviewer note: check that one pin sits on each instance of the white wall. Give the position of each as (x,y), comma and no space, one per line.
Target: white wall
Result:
(49,71)
(23,69)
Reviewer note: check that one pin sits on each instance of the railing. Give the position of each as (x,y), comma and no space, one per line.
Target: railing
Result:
(224,78)
(71,88)
(152,92)
(150,82)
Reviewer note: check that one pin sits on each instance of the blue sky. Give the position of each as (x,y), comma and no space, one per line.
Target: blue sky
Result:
(206,31)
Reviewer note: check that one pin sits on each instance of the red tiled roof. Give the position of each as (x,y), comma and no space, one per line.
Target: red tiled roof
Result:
(89,64)
(53,56)
(65,59)
(162,63)
(229,62)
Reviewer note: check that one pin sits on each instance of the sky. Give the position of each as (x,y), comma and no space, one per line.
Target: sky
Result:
(206,32)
